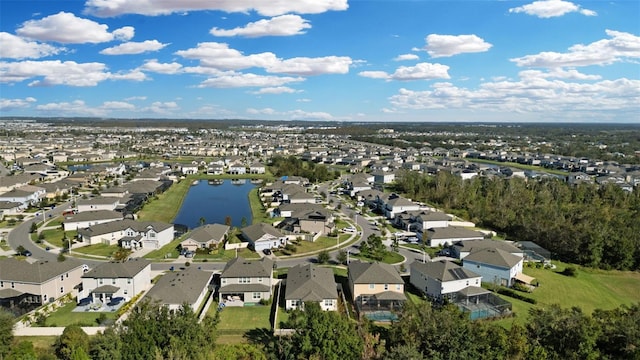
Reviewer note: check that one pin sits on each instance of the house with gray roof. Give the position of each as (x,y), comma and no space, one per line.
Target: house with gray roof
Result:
(10,208)
(97,203)
(116,279)
(263,236)
(26,195)
(440,279)
(89,218)
(375,287)
(24,284)
(175,288)
(449,235)
(127,233)
(246,281)
(310,283)
(463,248)
(205,237)
(496,266)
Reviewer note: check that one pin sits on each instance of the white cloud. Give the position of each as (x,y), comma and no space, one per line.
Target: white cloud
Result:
(421,71)
(56,72)
(15,47)
(541,94)
(135,98)
(235,80)
(619,47)
(292,114)
(108,8)
(219,56)
(558,73)
(284,25)
(405,57)
(74,108)
(130,48)
(551,8)
(275,90)
(117,106)
(162,68)
(304,100)
(11,104)
(162,108)
(125,33)
(67,28)
(449,45)
(312,66)
(265,111)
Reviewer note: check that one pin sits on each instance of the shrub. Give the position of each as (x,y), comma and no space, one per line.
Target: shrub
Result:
(570,271)
(513,294)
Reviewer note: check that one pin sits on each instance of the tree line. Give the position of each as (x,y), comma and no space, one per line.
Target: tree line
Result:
(292,165)
(590,225)
(421,332)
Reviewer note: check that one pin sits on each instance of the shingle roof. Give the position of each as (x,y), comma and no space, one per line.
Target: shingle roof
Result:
(256,231)
(310,283)
(477,245)
(240,267)
(494,257)
(374,273)
(209,232)
(119,225)
(180,286)
(236,288)
(453,232)
(127,269)
(443,270)
(37,272)
(94,215)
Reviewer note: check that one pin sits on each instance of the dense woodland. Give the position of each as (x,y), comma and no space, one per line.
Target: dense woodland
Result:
(281,166)
(422,332)
(590,225)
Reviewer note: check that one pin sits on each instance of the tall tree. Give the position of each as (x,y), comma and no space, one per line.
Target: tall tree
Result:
(6,332)
(72,338)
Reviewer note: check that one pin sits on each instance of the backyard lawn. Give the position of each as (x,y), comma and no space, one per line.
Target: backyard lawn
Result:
(65,316)
(168,204)
(591,289)
(97,249)
(235,322)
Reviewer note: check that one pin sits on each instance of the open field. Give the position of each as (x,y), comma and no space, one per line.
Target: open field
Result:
(591,289)
(166,206)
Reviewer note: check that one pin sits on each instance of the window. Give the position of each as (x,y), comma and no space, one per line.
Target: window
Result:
(61,289)
(13,285)
(44,299)
(128,281)
(256,296)
(476,281)
(100,281)
(224,281)
(113,281)
(398,287)
(1,284)
(66,275)
(386,287)
(61,277)
(372,286)
(244,280)
(328,303)
(467,282)
(126,291)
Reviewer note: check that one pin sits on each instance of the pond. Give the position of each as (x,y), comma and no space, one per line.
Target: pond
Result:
(214,201)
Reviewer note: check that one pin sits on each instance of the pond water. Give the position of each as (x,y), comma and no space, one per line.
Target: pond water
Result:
(214,202)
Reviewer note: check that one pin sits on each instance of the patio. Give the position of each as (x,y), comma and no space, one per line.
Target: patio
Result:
(98,306)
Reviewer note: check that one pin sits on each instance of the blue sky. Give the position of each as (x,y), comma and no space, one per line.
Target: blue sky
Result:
(358,60)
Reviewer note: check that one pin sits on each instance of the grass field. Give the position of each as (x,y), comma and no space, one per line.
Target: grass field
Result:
(168,204)
(65,316)
(258,212)
(97,249)
(390,257)
(519,166)
(591,289)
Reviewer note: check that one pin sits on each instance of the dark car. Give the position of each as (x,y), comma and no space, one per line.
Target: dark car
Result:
(267,251)
(26,253)
(115,301)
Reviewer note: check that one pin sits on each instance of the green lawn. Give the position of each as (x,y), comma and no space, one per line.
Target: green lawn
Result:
(166,207)
(591,289)
(519,166)
(226,255)
(168,251)
(64,316)
(97,249)
(55,222)
(390,257)
(54,236)
(242,319)
(258,212)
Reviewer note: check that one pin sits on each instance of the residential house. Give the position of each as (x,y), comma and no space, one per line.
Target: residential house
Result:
(463,248)
(450,235)
(116,279)
(97,203)
(441,279)
(10,208)
(263,236)
(237,169)
(310,283)
(189,169)
(397,204)
(383,177)
(375,287)
(496,266)
(129,234)
(422,220)
(257,168)
(26,195)
(89,218)
(25,285)
(246,281)
(176,288)
(205,237)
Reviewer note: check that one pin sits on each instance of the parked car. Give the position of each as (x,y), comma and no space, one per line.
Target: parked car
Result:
(26,253)
(267,251)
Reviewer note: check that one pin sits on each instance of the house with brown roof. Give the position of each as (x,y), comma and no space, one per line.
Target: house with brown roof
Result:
(449,235)
(375,287)
(263,236)
(176,288)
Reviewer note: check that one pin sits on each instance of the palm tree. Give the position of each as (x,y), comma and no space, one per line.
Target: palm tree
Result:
(202,221)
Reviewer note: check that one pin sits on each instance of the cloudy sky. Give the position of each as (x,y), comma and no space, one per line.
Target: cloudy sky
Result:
(346,60)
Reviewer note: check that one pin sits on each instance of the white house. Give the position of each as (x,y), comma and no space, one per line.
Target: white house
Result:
(396,205)
(128,234)
(97,203)
(496,266)
(309,283)
(90,218)
(26,195)
(237,169)
(450,235)
(263,236)
(442,278)
(116,279)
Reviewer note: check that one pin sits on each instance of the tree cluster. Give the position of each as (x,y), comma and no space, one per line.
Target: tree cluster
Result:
(595,226)
(292,165)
